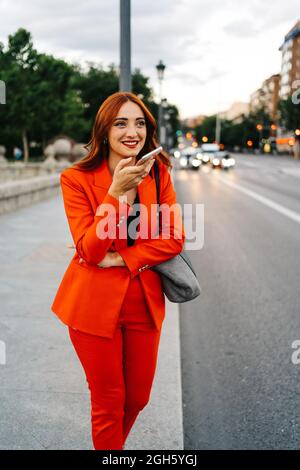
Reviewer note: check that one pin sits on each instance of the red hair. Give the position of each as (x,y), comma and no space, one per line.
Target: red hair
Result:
(106,114)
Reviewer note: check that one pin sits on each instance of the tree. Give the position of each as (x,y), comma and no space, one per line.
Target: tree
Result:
(41,96)
(18,64)
(58,107)
(48,96)
(289,113)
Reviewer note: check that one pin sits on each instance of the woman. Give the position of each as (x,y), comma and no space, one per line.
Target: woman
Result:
(110,298)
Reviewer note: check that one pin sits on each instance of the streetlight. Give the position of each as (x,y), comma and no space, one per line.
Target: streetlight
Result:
(125,46)
(297,144)
(218,129)
(167,128)
(160,67)
(259,127)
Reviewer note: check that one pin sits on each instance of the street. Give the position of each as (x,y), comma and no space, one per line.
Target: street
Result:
(240,386)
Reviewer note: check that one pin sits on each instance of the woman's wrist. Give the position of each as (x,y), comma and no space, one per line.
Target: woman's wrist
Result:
(119,260)
(115,192)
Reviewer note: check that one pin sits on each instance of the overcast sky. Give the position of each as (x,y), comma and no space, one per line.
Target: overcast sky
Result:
(216,52)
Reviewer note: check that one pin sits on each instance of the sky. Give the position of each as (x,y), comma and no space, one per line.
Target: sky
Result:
(216,52)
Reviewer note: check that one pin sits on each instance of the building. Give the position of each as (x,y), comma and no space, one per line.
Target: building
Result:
(290,62)
(193,122)
(236,112)
(266,97)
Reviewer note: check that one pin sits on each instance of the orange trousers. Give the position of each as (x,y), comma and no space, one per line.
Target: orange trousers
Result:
(119,370)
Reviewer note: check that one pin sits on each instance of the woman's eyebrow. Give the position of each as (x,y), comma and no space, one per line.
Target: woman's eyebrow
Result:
(126,119)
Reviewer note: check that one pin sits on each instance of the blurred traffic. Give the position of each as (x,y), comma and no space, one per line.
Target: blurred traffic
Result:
(191,157)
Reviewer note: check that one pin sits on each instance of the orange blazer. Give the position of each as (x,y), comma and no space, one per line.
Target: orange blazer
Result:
(89,298)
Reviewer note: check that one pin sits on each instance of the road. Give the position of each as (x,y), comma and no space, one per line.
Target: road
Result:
(240,387)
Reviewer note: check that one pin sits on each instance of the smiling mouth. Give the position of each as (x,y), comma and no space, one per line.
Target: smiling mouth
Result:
(130,143)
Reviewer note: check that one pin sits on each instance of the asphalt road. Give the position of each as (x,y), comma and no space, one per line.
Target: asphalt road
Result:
(241,389)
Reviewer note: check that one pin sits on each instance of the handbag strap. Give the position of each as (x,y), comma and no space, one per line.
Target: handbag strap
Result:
(156,176)
(157,183)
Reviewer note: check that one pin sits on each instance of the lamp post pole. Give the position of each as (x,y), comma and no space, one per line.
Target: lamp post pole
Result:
(125,46)
(160,72)
(218,129)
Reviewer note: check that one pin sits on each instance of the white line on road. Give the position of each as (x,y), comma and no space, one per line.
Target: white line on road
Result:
(249,164)
(295,216)
(291,171)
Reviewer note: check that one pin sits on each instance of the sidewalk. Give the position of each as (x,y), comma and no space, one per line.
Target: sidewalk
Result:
(43,391)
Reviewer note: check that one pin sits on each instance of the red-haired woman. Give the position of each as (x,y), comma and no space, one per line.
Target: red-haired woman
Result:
(110,298)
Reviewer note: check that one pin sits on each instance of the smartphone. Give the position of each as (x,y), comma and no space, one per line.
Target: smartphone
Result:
(149,155)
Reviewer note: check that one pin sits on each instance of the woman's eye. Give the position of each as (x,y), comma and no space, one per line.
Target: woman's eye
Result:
(139,123)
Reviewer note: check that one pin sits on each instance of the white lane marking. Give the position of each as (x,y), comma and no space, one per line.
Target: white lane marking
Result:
(250,165)
(291,171)
(295,216)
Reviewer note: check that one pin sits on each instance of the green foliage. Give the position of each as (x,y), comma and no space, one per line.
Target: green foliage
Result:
(289,114)
(236,133)
(46,96)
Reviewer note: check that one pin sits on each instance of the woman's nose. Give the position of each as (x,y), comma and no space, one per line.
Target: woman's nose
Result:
(131,133)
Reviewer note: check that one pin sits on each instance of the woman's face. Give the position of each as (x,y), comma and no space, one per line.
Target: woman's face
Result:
(128,132)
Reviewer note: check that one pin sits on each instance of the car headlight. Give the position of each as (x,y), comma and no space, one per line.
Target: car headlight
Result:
(177,154)
(216,161)
(183,161)
(196,162)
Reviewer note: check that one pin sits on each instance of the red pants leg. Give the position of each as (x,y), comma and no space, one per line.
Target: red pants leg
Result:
(119,371)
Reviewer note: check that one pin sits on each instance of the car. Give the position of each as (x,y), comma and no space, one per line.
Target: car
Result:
(190,158)
(227,161)
(208,151)
(212,153)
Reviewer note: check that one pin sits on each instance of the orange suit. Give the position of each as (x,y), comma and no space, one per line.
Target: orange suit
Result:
(115,314)
(87,288)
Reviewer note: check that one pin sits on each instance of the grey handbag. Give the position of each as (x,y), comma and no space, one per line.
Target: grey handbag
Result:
(179,280)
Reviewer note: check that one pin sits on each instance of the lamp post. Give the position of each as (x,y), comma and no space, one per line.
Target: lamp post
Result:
(297,144)
(125,46)
(160,67)
(166,118)
(259,127)
(218,129)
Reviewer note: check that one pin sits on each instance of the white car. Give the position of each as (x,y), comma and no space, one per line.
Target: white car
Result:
(190,157)
(211,153)
(226,160)
(208,151)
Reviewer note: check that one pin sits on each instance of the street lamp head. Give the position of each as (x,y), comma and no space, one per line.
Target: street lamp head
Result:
(160,70)
(164,103)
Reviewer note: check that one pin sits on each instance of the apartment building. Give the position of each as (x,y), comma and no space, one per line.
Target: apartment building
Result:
(290,62)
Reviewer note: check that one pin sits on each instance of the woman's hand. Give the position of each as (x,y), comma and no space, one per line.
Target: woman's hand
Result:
(127,177)
(111,259)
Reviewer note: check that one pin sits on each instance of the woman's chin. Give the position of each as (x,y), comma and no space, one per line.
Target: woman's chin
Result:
(130,152)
